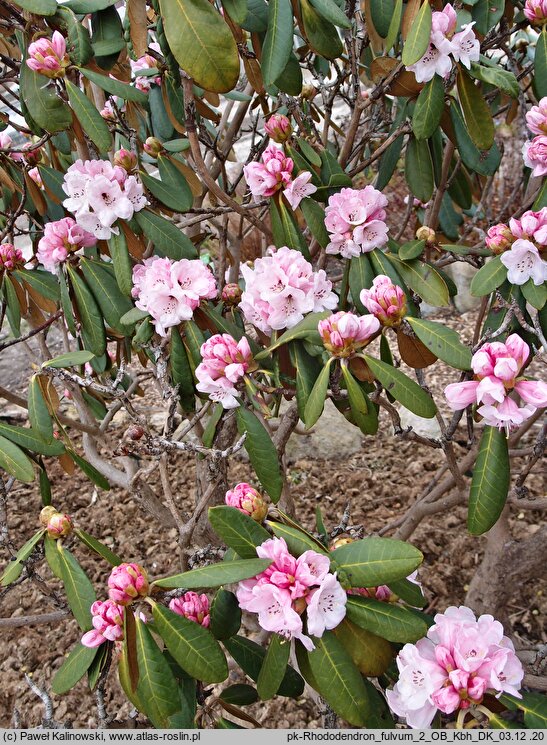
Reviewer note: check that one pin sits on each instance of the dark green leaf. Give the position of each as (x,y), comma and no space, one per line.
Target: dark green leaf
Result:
(443,341)
(305,329)
(540,65)
(376,561)
(411,250)
(225,615)
(73,668)
(388,620)
(361,277)
(89,470)
(15,566)
(316,399)
(87,114)
(78,39)
(30,440)
(277,45)
(423,279)
(382,13)
(322,36)
(274,666)
(236,9)
(79,590)
(489,277)
(484,163)
(307,369)
(490,483)
(174,180)
(261,451)
(250,656)
(238,531)
(38,412)
(314,216)
(70,359)
(215,575)
(115,87)
(429,108)
(40,7)
(402,388)
(486,13)
(476,112)
(121,261)
(331,12)
(536,295)
(419,169)
(110,299)
(167,238)
(46,108)
(239,694)
(497,76)
(43,282)
(98,547)
(418,38)
(363,412)
(15,462)
(93,333)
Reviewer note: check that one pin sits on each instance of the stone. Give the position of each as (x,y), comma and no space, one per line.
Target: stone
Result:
(332,437)
(424,427)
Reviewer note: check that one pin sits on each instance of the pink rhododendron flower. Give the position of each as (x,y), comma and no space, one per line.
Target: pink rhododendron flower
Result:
(535,155)
(524,262)
(171,290)
(443,42)
(126,583)
(385,300)
(34,174)
(99,193)
(531,226)
(298,189)
(290,586)
(10,257)
(272,174)
(5,141)
(506,415)
(498,238)
(536,11)
(354,219)
(146,62)
(107,623)
(248,500)
(224,363)
(278,128)
(344,333)
(460,660)
(192,606)
(281,288)
(61,238)
(48,56)
(536,118)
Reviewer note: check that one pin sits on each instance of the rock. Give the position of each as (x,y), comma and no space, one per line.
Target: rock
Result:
(423,427)
(331,438)
(462,274)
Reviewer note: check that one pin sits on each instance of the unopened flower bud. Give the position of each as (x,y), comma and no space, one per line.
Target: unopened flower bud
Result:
(498,238)
(309,91)
(46,513)
(231,293)
(246,499)
(127,582)
(32,157)
(134,432)
(343,334)
(152,147)
(278,128)
(536,11)
(425,234)
(125,159)
(56,523)
(192,606)
(34,174)
(339,542)
(10,257)
(48,56)
(386,301)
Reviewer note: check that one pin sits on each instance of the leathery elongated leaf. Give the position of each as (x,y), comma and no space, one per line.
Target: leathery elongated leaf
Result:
(202,43)
(237,530)
(376,561)
(15,567)
(15,462)
(93,333)
(428,109)
(402,388)
(73,668)
(278,42)
(390,621)
(250,656)
(418,38)
(489,277)
(79,590)
(490,483)
(92,122)
(40,418)
(316,399)
(273,667)
(215,575)
(478,118)
(261,451)
(444,342)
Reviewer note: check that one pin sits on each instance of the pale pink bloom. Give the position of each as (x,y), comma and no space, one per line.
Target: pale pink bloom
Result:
(278,128)
(536,118)
(524,262)
(326,606)
(531,226)
(224,364)
(536,11)
(275,611)
(434,62)
(498,238)
(354,219)
(506,415)
(461,395)
(5,141)
(192,606)
(107,623)
(146,62)
(533,392)
(34,174)
(134,192)
(345,333)
(61,238)
(466,46)
(286,571)
(48,56)
(171,290)
(282,288)
(385,300)
(126,583)
(10,257)
(108,111)
(108,201)
(248,500)
(272,174)
(535,155)
(298,189)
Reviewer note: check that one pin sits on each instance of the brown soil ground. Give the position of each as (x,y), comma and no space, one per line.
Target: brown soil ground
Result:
(381,480)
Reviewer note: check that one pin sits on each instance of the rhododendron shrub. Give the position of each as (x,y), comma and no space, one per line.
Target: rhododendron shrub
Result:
(215,227)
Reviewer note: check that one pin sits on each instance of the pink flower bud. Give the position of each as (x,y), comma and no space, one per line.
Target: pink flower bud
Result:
(247,500)
(498,238)
(125,159)
(107,623)
(278,128)
(46,513)
(34,174)
(426,234)
(536,11)
(344,333)
(10,257)
(386,301)
(126,583)
(231,293)
(31,156)
(152,147)
(59,525)
(224,364)
(48,56)
(192,606)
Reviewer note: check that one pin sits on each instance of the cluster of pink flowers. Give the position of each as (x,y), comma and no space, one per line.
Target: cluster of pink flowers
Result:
(460,660)
(343,334)
(273,173)
(99,193)
(10,257)
(61,238)
(281,288)
(496,367)
(354,219)
(126,583)
(535,151)
(464,47)
(224,363)
(48,56)
(290,586)
(536,11)
(525,239)
(278,128)
(192,606)
(171,290)
(146,62)
(386,301)
(248,500)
